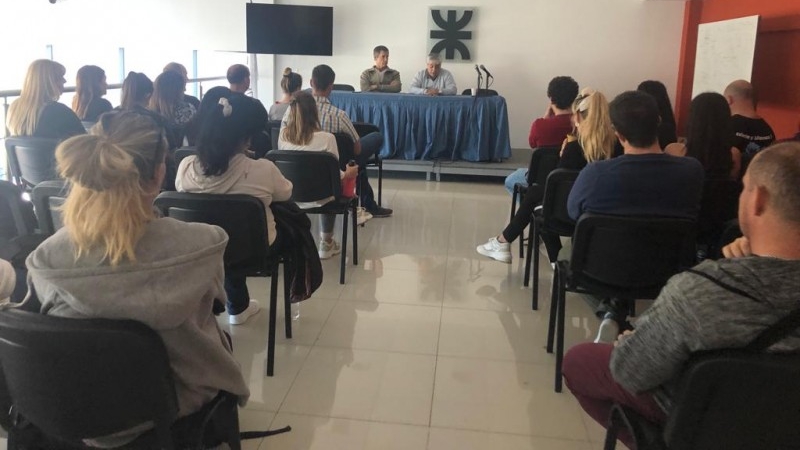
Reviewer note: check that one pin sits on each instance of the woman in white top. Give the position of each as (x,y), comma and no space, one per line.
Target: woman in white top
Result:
(222,167)
(302,132)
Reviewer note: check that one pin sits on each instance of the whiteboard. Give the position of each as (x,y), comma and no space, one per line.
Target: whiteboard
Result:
(725,52)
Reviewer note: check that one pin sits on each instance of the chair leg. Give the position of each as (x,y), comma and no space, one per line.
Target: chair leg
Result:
(526,279)
(273,316)
(287,302)
(562,306)
(610,442)
(551,326)
(514,195)
(344,245)
(380,182)
(355,238)
(522,243)
(535,257)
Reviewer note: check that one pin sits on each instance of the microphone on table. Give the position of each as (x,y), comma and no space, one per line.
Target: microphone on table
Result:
(488,75)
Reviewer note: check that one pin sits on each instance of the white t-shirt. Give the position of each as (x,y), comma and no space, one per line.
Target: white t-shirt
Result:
(321,142)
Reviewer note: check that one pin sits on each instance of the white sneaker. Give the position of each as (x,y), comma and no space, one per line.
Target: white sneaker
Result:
(608,332)
(252,309)
(363,215)
(329,249)
(295,309)
(501,251)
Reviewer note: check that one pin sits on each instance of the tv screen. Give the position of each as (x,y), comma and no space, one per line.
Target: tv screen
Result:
(289,29)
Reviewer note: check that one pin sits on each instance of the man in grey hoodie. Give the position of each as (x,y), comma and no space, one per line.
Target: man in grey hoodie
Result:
(720,304)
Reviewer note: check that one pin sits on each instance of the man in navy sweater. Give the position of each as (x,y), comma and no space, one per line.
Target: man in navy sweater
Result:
(642,182)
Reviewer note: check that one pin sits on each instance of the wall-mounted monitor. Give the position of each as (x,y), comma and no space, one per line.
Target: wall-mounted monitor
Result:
(289,29)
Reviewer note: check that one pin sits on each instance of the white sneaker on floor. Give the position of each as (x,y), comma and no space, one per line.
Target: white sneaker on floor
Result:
(252,309)
(328,249)
(608,332)
(501,251)
(362,215)
(295,309)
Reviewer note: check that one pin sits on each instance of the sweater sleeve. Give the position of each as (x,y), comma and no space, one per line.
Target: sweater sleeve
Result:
(661,345)
(364,81)
(394,85)
(533,136)
(449,84)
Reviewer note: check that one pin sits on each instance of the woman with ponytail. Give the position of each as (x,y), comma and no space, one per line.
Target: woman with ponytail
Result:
(90,87)
(594,140)
(222,166)
(115,259)
(290,83)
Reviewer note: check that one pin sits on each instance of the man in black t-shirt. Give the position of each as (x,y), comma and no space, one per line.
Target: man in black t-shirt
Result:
(751,132)
(239,78)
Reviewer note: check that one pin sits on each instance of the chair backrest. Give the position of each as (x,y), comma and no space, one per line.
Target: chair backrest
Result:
(13,219)
(31,160)
(633,256)
(346,148)
(48,197)
(314,175)
(734,400)
(182,153)
(344,87)
(241,216)
(84,378)
(274,129)
(554,203)
(481,92)
(543,161)
(364,128)
(720,203)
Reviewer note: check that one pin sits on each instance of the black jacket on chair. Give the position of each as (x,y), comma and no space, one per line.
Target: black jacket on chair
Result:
(304,268)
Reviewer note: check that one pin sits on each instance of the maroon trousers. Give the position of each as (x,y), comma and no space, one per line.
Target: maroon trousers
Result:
(587,374)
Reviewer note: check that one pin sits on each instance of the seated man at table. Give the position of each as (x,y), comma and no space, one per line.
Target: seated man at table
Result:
(717,305)
(380,78)
(551,129)
(433,80)
(644,181)
(334,120)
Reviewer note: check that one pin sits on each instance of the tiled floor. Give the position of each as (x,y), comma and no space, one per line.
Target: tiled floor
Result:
(428,345)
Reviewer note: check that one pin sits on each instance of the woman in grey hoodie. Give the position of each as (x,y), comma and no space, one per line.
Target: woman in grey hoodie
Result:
(114,259)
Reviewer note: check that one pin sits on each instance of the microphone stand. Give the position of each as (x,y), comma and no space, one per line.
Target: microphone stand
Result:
(487,82)
(480,79)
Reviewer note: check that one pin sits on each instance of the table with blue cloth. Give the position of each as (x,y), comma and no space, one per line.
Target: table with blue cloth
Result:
(421,127)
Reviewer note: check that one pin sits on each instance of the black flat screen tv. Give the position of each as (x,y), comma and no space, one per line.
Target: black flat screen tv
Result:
(289,29)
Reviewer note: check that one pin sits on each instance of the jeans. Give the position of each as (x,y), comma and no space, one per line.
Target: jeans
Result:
(326,223)
(517,176)
(236,286)
(370,144)
(587,374)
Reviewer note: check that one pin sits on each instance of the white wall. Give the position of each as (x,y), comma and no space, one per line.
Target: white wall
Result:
(611,45)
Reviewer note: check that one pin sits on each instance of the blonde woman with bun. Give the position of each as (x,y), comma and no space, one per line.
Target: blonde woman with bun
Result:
(290,83)
(593,141)
(37,112)
(115,259)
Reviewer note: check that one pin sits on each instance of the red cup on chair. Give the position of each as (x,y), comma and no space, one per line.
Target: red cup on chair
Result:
(349,184)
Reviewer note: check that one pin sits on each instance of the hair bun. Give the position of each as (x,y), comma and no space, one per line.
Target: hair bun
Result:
(287,71)
(92,161)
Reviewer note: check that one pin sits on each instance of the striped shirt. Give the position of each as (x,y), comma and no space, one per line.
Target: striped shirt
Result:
(331,119)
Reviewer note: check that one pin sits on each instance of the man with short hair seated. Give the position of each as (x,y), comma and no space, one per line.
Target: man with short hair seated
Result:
(552,128)
(433,80)
(380,78)
(751,132)
(239,79)
(334,120)
(717,305)
(644,181)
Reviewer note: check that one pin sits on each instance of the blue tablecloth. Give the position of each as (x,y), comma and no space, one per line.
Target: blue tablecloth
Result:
(422,127)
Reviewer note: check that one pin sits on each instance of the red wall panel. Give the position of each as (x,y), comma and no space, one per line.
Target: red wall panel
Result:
(776,71)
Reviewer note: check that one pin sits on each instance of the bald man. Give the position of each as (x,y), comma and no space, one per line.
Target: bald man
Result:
(751,132)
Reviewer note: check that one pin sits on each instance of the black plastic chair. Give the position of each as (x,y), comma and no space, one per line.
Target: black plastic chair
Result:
(344,87)
(48,196)
(16,215)
(552,217)
(618,257)
(74,379)
(543,161)
(31,160)
(728,400)
(363,129)
(274,129)
(245,221)
(184,152)
(315,176)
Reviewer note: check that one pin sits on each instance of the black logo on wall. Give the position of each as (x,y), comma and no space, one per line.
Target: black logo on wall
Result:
(451,33)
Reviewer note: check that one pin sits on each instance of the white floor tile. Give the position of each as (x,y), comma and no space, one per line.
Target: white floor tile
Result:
(449,439)
(421,287)
(362,384)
